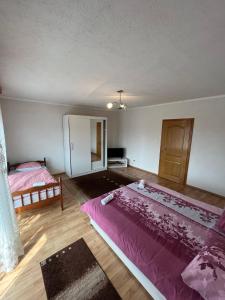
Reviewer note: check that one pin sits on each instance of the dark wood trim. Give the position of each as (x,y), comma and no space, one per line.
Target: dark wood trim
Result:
(189,148)
(178,119)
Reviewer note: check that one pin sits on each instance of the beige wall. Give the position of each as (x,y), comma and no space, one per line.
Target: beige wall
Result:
(34,130)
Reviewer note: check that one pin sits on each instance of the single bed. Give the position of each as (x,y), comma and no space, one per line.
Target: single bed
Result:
(156,232)
(33,187)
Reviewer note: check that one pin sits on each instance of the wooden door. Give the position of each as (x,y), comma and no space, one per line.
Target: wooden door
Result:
(80,145)
(175,149)
(99,139)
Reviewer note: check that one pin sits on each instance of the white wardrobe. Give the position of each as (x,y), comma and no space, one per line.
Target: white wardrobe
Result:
(85,144)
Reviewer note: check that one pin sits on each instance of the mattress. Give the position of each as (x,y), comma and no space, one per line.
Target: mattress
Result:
(160,231)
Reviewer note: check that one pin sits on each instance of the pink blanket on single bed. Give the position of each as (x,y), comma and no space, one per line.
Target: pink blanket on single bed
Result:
(20,181)
(160,231)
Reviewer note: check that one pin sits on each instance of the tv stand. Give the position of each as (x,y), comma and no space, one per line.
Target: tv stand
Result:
(117,162)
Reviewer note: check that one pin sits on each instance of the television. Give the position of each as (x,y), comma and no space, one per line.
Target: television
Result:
(116,152)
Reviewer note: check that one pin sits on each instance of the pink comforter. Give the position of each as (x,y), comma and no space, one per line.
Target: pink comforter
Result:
(160,231)
(20,181)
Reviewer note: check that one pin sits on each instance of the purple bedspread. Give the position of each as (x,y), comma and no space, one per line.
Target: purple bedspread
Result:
(160,231)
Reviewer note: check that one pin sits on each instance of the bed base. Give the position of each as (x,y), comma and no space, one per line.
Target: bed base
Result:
(40,203)
(145,282)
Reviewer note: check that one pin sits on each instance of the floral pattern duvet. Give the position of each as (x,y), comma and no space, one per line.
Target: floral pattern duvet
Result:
(160,231)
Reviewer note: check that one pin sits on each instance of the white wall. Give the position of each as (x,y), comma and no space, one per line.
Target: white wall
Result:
(34,130)
(140,133)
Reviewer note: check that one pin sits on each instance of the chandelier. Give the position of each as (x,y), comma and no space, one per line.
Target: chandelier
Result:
(119,104)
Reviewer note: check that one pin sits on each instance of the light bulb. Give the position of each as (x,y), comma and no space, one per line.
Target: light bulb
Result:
(109,105)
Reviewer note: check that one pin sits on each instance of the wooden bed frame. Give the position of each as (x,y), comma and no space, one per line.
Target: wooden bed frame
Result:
(38,190)
(14,166)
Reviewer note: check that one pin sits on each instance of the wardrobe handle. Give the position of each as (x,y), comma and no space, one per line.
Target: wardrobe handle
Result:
(71,146)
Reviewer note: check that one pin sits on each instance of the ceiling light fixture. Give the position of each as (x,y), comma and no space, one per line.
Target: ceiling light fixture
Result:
(117,105)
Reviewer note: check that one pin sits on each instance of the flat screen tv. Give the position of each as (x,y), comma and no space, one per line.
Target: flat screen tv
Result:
(116,152)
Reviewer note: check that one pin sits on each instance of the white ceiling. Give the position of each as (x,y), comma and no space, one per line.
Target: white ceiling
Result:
(82,51)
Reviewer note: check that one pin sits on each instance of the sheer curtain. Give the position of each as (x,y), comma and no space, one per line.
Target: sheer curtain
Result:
(10,244)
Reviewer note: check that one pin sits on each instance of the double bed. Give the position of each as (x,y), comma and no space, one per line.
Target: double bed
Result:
(32,186)
(156,232)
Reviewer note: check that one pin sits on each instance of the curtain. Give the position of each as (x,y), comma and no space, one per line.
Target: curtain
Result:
(10,244)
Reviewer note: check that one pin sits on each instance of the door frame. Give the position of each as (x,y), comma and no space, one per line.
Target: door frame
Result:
(97,136)
(189,146)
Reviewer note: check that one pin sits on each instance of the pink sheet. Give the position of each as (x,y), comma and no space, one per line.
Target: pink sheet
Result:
(160,231)
(20,181)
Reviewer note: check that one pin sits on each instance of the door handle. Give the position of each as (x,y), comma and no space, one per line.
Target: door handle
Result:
(71,146)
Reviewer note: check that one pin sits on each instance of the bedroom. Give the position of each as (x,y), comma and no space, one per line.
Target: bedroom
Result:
(69,58)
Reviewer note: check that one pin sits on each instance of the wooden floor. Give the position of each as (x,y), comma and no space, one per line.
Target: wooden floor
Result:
(95,157)
(193,192)
(48,230)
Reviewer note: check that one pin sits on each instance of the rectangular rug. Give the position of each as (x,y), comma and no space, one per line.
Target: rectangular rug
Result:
(94,185)
(74,273)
